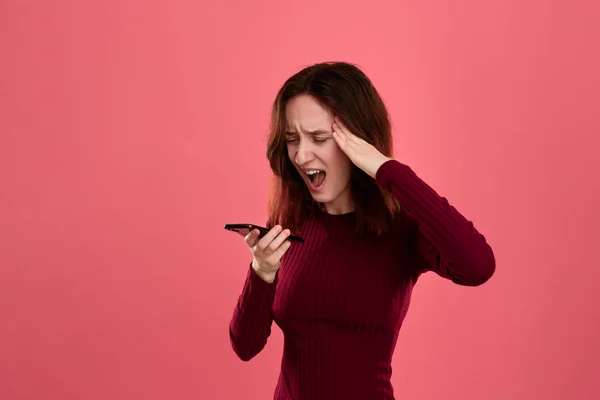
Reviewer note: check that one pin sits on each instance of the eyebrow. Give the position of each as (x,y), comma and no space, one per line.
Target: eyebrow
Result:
(313,132)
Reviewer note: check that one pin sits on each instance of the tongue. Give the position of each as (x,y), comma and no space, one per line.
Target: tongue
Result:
(318,179)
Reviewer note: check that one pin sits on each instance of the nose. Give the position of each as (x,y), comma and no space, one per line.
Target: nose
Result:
(303,153)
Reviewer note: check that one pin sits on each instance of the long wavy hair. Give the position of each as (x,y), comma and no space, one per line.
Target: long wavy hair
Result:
(347,92)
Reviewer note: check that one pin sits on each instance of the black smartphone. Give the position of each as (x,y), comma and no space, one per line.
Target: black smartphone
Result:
(245,229)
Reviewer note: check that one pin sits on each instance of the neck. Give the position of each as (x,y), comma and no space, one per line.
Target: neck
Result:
(341,205)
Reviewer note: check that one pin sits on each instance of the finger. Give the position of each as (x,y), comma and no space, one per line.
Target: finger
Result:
(252,237)
(339,134)
(337,128)
(343,144)
(338,122)
(276,256)
(340,140)
(351,137)
(274,245)
(344,139)
(264,242)
(348,138)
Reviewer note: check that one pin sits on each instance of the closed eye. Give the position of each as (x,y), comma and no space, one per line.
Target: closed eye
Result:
(293,139)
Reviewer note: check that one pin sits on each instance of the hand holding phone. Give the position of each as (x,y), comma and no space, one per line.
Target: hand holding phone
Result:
(267,246)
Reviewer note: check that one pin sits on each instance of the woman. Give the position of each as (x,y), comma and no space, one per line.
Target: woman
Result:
(371,227)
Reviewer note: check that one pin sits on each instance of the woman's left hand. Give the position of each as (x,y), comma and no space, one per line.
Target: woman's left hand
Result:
(363,154)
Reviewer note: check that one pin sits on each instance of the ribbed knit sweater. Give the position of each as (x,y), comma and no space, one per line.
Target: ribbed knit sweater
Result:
(340,299)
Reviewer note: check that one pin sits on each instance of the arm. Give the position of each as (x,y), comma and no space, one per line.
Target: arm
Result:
(250,325)
(444,241)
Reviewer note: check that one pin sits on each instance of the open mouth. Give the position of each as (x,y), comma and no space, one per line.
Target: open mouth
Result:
(316,178)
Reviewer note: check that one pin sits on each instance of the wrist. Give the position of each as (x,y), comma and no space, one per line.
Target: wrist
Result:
(268,277)
(378,165)
(381,164)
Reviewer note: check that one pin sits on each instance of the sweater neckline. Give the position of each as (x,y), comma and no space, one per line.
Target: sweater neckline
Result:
(349,216)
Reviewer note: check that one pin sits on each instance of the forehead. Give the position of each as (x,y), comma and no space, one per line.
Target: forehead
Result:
(303,112)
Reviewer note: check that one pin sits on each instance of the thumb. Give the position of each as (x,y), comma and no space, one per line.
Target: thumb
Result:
(252,238)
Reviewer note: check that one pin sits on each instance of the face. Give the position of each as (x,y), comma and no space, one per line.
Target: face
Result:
(314,152)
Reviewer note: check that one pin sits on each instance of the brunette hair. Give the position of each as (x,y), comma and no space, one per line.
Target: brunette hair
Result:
(348,93)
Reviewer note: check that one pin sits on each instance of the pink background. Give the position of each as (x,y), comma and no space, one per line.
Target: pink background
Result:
(121,123)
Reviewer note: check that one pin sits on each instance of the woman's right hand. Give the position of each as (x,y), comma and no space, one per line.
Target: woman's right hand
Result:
(268,251)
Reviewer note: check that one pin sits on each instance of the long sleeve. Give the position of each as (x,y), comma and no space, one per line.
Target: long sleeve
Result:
(252,318)
(444,240)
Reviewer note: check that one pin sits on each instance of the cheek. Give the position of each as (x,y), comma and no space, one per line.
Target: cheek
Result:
(342,162)
(291,152)
(335,153)
(340,156)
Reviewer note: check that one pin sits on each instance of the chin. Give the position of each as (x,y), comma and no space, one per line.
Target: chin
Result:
(321,197)
(326,196)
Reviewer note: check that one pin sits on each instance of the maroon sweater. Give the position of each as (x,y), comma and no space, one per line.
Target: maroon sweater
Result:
(340,299)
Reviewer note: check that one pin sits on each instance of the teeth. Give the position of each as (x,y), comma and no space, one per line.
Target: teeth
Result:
(313,172)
